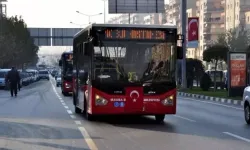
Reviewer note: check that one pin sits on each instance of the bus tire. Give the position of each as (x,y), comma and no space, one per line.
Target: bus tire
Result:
(77,110)
(89,117)
(159,118)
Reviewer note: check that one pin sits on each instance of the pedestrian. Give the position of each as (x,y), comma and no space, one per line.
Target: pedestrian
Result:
(13,78)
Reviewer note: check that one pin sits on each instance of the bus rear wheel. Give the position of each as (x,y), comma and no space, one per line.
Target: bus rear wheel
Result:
(77,110)
(159,118)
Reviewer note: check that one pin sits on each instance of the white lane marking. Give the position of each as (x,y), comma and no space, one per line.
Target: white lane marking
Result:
(66,107)
(60,98)
(63,104)
(61,101)
(73,116)
(185,118)
(214,103)
(87,138)
(237,136)
(69,112)
(78,122)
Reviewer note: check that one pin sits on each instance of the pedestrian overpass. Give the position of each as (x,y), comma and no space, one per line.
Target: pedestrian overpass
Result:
(53,36)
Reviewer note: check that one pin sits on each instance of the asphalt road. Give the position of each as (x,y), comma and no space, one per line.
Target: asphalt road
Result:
(41,118)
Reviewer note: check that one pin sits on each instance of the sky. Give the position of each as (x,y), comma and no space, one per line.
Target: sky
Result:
(58,13)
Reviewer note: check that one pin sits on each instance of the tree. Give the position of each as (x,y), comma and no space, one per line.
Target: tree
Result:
(16,45)
(235,39)
(214,54)
(194,69)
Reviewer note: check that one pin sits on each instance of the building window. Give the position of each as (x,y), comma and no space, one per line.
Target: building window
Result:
(237,17)
(237,4)
(248,19)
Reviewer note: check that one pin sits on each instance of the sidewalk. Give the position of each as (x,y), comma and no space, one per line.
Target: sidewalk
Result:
(210,98)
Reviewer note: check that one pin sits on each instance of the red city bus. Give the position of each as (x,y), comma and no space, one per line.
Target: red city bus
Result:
(129,69)
(66,64)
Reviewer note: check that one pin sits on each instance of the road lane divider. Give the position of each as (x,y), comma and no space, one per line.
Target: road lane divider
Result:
(73,116)
(237,137)
(88,139)
(78,122)
(184,118)
(69,112)
(213,103)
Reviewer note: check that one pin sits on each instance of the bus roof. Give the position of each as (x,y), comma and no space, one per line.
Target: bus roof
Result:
(79,34)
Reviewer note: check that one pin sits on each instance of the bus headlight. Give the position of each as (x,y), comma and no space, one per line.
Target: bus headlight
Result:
(67,85)
(168,101)
(99,101)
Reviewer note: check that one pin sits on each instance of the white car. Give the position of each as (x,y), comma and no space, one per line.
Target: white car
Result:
(58,81)
(246,99)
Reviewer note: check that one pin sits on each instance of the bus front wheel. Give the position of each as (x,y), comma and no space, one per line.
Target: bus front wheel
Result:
(159,118)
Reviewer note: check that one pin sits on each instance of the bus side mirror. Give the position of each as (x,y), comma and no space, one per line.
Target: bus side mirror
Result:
(179,52)
(60,63)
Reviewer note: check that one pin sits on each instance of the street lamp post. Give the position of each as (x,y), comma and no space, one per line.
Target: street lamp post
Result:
(183,9)
(89,16)
(104,11)
(77,24)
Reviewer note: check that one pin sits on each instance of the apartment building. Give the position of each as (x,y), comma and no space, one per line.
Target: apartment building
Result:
(211,22)
(235,12)
(247,20)
(173,12)
(128,19)
(3,7)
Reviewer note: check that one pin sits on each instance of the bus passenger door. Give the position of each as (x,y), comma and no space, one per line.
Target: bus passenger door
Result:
(82,90)
(81,96)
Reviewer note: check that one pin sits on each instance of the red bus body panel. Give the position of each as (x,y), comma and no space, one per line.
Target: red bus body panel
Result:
(143,104)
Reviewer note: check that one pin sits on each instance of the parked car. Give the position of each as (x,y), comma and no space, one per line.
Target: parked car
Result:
(57,75)
(43,74)
(58,81)
(53,73)
(3,73)
(246,99)
(25,78)
(35,76)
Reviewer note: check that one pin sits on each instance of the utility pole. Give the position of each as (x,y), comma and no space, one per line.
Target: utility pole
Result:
(183,30)
(129,19)
(104,11)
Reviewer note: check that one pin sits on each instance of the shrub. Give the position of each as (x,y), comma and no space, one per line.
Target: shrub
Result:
(205,82)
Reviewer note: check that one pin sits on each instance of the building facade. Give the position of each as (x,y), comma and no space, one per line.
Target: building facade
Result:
(211,22)
(215,17)
(235,12)
(3,8)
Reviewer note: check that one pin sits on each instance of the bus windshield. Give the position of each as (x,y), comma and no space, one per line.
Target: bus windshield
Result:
(134,62)
(67,67)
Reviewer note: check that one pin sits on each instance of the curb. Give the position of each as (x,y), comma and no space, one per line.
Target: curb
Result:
(215,99)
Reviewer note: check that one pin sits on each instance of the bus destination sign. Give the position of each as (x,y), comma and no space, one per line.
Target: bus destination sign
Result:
(135,34)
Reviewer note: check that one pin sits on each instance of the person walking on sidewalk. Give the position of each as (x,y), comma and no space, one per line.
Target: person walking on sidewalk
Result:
(13,78)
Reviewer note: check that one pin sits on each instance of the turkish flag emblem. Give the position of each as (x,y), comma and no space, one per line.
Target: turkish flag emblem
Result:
(193,28)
